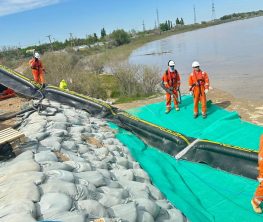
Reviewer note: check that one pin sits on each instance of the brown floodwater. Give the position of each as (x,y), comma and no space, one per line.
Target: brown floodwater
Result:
(231,53)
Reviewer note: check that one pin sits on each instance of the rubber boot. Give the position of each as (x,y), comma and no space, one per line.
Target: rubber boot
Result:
(204,115)
(168,109)
(256,208)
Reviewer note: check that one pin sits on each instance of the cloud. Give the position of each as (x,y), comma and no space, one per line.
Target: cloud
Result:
(13,6)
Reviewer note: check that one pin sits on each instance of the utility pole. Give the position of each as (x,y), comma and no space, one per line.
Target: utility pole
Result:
(143,26)
(71,39)
(194,15)
(213,11)
(49,37)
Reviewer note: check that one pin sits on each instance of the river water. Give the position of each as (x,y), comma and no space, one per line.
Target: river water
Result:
(231,53)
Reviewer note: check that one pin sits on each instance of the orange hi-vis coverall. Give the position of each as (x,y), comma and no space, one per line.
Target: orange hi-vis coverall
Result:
(37,70)
(171,79)
(258,196)
(198,82)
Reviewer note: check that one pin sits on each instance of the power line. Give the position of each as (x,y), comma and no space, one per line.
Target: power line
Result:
(143,26)
(71,39)
(213,11)
(51,46)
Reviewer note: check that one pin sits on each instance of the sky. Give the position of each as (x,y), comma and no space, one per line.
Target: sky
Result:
(29,22)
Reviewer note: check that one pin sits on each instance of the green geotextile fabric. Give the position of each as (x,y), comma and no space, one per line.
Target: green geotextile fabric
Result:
(219,126)
(202,193)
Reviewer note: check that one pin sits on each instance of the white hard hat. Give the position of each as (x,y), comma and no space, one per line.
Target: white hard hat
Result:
(195,64)
(171,63)
(37,55)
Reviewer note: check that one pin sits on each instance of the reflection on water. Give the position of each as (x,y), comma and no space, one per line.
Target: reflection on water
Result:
(231,53)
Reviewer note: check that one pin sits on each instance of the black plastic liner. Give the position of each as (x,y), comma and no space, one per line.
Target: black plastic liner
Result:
(18,83)
(235,160)
(79,101)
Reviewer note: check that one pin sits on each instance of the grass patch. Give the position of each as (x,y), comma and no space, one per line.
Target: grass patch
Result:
(125,99)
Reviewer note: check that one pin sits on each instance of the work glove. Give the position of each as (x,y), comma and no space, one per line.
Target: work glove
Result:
(191,93)
(206,91)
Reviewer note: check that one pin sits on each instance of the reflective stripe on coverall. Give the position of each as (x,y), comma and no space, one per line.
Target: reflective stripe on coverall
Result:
(37,70)
(171,79)
(198,82)
(258,197)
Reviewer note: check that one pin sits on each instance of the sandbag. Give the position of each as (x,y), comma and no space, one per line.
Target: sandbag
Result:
(92,207)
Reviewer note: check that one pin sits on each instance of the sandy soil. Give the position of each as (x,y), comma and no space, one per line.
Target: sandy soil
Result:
(9,106)
(249,110)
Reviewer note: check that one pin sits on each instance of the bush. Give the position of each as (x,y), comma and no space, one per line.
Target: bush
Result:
(134,80)
(120,37)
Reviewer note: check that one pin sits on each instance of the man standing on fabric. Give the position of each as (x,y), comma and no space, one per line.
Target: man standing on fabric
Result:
(258,196)
(171,81)
(198,87)
(37,69)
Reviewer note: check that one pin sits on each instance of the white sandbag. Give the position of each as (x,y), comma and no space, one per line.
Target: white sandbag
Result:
(64,217)
(99,164)
(76,129)
(122,161)
(123,174)
(136,189)
(72,156)
(117,192)
(52,142)
(92,207)
(69,145)
(176,215)
(24,177)
(44,156)
(13,191)
(105,173)
(18,206)
(83,148)
(102,152)
(40,136)
(93,177)
(15,217)
(155,193)
(126,212)
(55,203)
(51,165)
(58,132)
(19,167)
(79,166)
(148,205)
(83,193)
(141,176)
(107,200)
(164,204)
(144,216)
(61,175)
(59,186)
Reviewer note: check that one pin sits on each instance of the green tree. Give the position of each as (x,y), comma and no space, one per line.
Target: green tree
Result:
(95,37)
(177,22)
(182,21)
(103,33)
(120,37)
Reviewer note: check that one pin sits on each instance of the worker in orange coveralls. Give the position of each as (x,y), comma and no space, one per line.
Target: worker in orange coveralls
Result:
(258,196)
(198,87)
(37,68)
(171,84)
